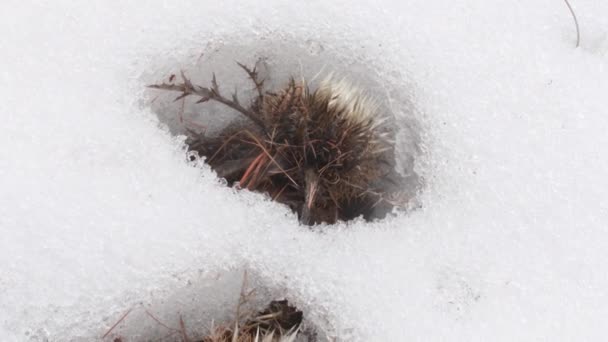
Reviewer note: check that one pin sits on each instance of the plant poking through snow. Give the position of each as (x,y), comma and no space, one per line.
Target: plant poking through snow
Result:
(279,322)
(275,324)
(326,153)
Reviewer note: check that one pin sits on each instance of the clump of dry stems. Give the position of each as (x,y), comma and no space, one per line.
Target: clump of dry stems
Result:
(279,322)
(326,153)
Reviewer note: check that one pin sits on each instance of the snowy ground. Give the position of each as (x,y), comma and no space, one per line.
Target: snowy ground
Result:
(99,212)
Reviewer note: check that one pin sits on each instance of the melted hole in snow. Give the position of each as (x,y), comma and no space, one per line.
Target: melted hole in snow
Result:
(332,171)
(209,305)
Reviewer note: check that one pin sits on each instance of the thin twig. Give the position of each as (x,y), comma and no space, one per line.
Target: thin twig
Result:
(242,300)
(117,323)
(578,33)
(183,329)
(253,75)
(159,322)
(206,94)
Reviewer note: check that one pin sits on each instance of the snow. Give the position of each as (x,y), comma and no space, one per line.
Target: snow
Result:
(100,213)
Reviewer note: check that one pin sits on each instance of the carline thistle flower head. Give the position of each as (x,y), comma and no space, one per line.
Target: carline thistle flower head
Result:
(326,153)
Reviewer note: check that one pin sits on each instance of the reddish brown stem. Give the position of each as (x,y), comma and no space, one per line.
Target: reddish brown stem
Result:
(206,94)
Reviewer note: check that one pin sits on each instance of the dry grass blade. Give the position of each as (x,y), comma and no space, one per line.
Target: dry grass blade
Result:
(183,329)
(117,323)
(578,33)
(271,158)
(243,298)
(252,166)
(160,322)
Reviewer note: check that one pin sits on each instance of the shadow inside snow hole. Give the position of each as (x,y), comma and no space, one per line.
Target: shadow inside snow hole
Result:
(323,132)
(205,309)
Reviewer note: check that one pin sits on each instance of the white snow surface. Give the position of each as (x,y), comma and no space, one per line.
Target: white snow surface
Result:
(101,214)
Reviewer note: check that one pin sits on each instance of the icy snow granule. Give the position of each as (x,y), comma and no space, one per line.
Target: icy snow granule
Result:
(100,213)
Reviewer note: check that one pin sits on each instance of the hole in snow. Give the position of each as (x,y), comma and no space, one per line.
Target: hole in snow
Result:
(324,131)
(207,309)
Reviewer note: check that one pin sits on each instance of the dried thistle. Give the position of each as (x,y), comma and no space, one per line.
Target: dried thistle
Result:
(279,322)
(325,153)
(275,324)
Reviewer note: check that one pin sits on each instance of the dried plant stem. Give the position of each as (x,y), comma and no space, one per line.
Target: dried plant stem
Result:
(183,329)
(160,322)
(578,33)
(253,75)
(117,323)
(318,152)
(206,94)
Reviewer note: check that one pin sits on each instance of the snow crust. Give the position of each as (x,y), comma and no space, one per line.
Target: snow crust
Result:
(100,213)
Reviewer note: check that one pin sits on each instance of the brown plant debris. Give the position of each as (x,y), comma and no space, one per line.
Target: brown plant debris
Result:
(278,322)
(327,154)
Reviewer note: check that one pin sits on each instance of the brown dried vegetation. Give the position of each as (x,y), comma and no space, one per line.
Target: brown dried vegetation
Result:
(278,322)
(327,153)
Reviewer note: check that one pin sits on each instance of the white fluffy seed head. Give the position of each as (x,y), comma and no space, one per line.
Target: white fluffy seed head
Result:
(357,109)
(343,97)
